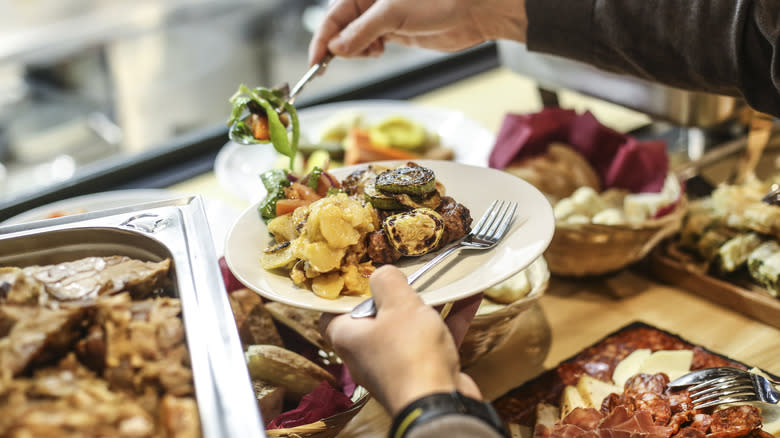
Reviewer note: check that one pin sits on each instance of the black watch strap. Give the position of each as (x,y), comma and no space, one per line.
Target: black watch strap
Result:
(436,405)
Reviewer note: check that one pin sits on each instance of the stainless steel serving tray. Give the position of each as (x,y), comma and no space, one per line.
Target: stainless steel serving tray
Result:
(175,229)
(684,108)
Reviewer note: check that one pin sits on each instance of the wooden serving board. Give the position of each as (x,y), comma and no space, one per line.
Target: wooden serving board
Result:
(518,405)
(749,300)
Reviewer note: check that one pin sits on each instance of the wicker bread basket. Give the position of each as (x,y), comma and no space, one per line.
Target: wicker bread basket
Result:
(595,249)
(493,322)
(327,427)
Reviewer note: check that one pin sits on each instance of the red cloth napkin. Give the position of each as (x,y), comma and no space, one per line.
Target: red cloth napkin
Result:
(321,403)
(620,160)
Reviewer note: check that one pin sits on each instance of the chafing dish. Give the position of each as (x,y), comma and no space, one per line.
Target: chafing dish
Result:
(175,229)
(674,105)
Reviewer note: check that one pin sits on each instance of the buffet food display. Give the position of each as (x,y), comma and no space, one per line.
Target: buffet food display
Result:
(137,330)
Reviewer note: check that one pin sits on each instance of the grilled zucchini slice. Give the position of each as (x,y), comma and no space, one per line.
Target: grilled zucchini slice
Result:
(410,180)
(415,232)
(380,200)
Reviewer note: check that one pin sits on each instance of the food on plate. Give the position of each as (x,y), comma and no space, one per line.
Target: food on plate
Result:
(330,241)
(285,369)
(732,234)
(93,347)
(395,137)
(262,115)
(619,386)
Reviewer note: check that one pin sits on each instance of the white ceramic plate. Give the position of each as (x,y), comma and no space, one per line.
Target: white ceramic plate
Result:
(219,215)
(460,276)
(238,167)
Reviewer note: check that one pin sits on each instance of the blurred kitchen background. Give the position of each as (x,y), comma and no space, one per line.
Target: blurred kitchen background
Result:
(106,94)
(87,84)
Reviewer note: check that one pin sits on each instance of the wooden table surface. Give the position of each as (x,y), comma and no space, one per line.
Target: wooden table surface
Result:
(572,314)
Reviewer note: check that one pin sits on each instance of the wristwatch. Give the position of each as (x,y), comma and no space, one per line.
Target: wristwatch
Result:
(437,405)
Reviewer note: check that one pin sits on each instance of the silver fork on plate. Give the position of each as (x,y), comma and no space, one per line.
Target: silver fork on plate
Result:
(486,234)
(722,385)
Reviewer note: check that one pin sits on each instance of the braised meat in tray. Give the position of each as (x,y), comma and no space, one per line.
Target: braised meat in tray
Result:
(94,347)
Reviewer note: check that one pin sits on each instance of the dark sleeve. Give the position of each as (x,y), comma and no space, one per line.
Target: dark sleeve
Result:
(454,426)
(726,47)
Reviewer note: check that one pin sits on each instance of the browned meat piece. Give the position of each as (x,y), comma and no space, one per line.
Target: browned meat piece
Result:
(457,220)
(145,345)
(69,401)
(179,417)
(91,349)
(44,335)
(679,420)
(689,433)
(679,401)
(10,315)
(657,405)
(735,421)
(93,276)
(701,421)
(457,223)
(641,383)
(254,322)
(379,249)
(18,288)
(584,418)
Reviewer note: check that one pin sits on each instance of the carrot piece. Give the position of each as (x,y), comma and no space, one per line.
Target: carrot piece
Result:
(359,149)
(284,206)
(259,125)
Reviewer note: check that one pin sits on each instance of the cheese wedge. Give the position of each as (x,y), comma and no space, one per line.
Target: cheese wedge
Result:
(674,363)
(629,366)
(593,391)
(571,400)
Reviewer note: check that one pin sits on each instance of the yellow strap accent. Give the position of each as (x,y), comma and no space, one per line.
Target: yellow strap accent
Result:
(404,424)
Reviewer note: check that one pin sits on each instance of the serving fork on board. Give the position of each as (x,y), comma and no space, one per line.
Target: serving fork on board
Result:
(723,385)
(486,234)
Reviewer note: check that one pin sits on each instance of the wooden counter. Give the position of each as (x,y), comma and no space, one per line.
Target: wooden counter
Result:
(573,313)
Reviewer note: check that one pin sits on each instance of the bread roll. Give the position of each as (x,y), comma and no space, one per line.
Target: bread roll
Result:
(281,367)
(558,173)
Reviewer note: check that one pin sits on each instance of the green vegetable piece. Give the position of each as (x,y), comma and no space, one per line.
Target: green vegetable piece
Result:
(415,232)
(411,180)
(274,180)
(314,178)
(319,158)
(271,101)
(334,191)
(398,132)
(380,200)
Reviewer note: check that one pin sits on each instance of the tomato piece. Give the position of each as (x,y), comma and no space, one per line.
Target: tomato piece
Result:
(284,206)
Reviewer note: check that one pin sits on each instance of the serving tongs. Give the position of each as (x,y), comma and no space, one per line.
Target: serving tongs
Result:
(288,94)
